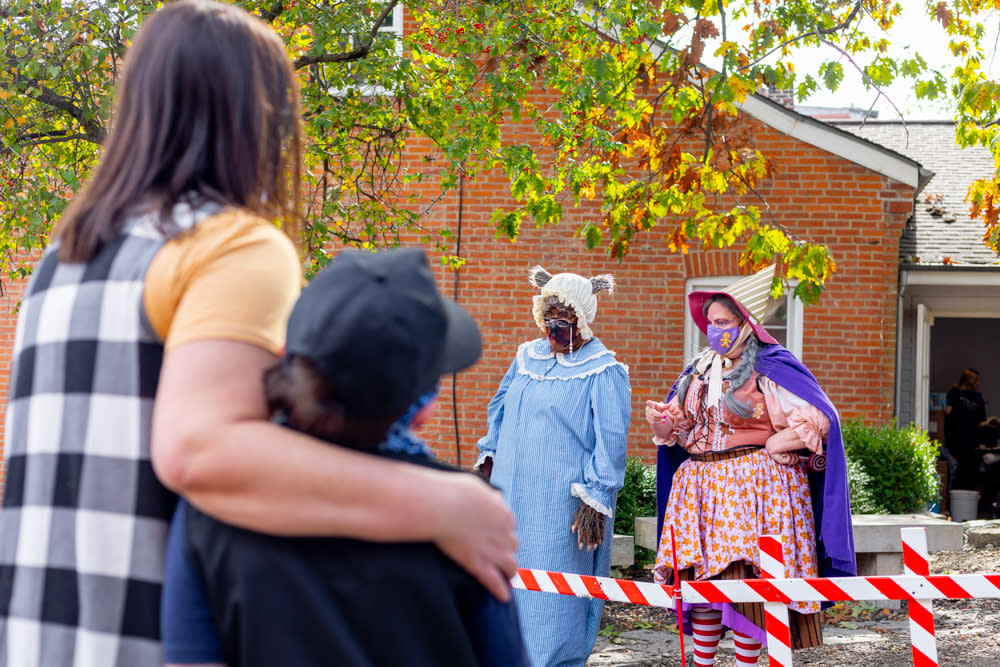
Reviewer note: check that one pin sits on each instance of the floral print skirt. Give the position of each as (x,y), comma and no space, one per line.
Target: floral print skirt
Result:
(719,508)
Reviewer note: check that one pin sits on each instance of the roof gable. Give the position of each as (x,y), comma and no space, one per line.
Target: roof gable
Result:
(827,136)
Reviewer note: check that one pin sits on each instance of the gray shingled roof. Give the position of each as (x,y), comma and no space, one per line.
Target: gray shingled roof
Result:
(940,226)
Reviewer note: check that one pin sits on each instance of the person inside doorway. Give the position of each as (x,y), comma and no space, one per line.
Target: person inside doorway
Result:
(965,414)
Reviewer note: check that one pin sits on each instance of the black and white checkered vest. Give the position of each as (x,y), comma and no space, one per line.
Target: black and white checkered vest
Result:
(84,519)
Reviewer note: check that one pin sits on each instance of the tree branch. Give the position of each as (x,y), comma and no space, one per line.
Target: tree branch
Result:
(843,24)
(273,12)
(818,32)
(93,128)
(358,53)
(864,77)
(54,137)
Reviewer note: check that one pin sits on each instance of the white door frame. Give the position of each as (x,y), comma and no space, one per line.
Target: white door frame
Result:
(922,366)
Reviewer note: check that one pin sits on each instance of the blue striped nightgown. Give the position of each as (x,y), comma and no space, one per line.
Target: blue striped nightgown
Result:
(557,434)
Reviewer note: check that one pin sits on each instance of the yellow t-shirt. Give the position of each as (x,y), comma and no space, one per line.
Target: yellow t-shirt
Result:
(233,276)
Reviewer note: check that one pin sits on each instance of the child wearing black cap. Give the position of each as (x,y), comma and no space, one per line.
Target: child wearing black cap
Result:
(367,343)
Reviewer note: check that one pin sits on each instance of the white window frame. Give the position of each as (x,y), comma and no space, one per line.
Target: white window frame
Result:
(396,28)
(709,283)
(396,34)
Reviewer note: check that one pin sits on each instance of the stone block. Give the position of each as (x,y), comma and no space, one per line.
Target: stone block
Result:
(879,533)
(872,564)
(622,551)
(647,533)
(983,536)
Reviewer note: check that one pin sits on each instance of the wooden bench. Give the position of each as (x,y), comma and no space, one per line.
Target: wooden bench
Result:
(876,539)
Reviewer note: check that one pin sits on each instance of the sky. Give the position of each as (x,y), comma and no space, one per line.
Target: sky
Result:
(912,32)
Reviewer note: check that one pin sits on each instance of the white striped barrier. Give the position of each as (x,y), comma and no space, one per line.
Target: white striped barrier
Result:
(779,634)
(676,593)
(915,585)
(586,586)
(835,589)
(923,641)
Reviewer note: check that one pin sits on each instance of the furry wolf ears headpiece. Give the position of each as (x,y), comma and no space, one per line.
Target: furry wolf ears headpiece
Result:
(573,290)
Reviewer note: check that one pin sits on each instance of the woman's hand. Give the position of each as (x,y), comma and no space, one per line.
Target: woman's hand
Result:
(588,526)
(784,458)
(660,419)
(782,446)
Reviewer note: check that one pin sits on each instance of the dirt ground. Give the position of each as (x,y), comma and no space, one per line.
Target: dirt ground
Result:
(858,633)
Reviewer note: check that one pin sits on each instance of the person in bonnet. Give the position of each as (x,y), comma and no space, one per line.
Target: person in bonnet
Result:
(366,345)
(556,445)
(749,445)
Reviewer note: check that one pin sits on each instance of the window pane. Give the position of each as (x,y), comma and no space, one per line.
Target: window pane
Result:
(777,322)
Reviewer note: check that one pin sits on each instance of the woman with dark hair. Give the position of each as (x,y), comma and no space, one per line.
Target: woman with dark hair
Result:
(736,433)
(140,344)
(965,414)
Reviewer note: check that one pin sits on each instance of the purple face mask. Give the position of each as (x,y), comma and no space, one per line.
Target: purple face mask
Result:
(722,340)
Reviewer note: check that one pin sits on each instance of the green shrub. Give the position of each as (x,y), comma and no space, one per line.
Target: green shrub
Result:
(900,464)
(862,499)
(637,497)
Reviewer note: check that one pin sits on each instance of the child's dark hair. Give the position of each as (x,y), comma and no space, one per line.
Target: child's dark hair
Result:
(296,388)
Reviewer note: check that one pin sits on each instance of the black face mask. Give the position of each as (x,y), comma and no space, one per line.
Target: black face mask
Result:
(560,332)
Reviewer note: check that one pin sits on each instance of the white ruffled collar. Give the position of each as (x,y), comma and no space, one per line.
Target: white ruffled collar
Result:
(591,359)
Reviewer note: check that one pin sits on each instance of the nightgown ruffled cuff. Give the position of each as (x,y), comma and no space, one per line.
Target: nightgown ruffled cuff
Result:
(577,490)
(482,459)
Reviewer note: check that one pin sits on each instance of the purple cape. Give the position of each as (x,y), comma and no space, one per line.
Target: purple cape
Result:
(830,496)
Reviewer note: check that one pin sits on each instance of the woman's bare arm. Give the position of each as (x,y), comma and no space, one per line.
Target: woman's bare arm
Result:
(213,444)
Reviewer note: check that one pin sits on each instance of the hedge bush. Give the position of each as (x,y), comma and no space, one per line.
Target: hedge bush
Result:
(862,499)
(900,464)
(637,497)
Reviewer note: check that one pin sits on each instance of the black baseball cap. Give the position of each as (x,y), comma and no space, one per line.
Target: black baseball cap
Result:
(377,328)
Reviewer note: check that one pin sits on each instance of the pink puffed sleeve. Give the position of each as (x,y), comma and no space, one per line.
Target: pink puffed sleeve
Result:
(787,410)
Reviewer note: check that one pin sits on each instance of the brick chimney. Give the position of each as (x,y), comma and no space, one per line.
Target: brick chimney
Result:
(783,96)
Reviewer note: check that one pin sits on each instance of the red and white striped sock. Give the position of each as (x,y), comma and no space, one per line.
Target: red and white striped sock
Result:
(706,630)
(747,649)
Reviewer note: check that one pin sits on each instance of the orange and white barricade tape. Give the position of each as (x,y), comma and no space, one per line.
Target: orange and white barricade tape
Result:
(916,586)
(586,586)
